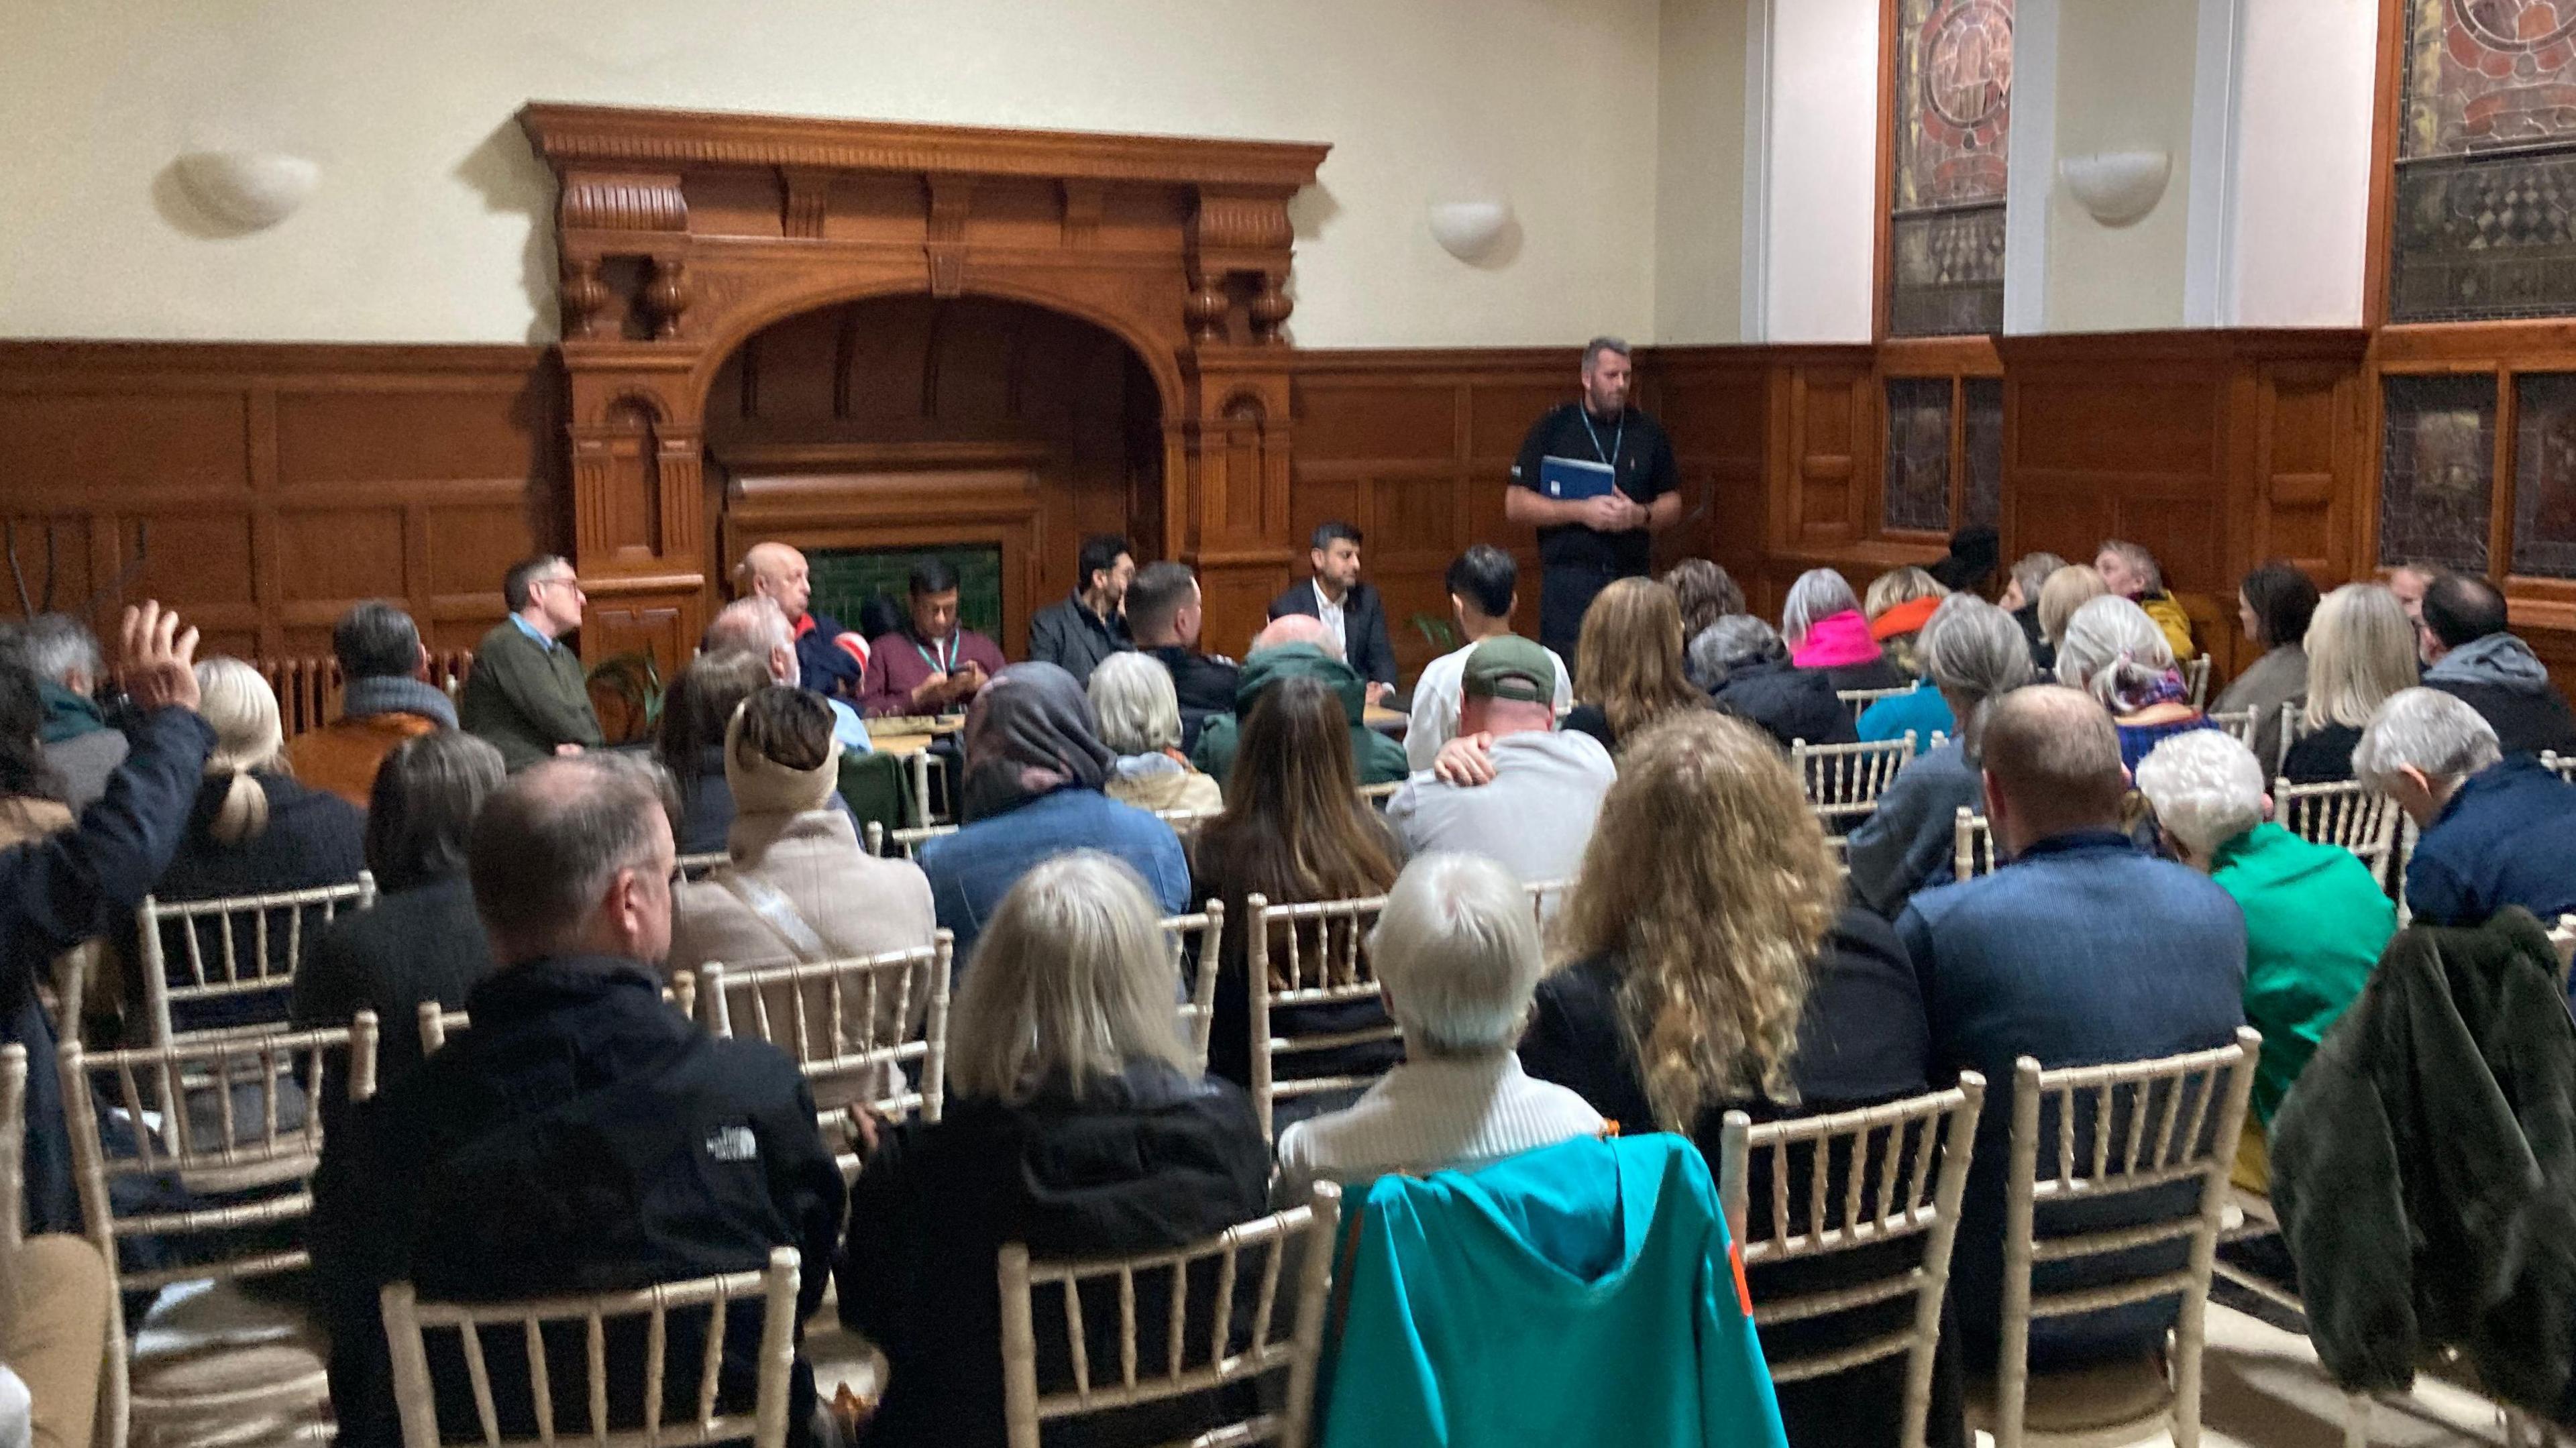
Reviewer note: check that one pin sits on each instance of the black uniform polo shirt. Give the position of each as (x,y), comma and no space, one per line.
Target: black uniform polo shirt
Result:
(1635,446)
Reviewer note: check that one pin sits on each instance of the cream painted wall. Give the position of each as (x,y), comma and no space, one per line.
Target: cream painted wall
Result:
(431,221)
(2124,80)
(1819,218)
(1699,173)
(2301,206)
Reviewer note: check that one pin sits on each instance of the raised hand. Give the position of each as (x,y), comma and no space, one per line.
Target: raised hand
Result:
(158,664)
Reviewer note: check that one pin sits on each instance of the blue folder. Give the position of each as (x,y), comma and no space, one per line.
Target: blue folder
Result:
(1574,479)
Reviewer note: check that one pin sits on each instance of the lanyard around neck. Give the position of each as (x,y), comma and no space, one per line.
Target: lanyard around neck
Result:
(1617,439)
(933,659)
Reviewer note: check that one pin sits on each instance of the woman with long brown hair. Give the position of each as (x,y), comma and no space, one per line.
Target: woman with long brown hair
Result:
(1628,666)
(1294,831)
(1712,966)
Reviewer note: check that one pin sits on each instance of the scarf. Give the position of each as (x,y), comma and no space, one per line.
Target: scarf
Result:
(387,694)
(1031,732)
(762,785)
(1150,766)
(67,715)
(2133,691)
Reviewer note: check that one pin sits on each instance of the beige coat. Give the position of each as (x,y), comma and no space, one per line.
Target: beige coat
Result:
(858,904)
(1184,789)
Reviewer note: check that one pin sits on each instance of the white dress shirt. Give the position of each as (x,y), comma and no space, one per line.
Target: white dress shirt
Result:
(1435,704)
(1331,613)
(1434,1113)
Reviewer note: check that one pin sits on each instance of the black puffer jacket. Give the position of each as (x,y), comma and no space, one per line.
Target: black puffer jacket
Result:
(1789,703)
(1153,1159)
(581,1136)
(2424,1168)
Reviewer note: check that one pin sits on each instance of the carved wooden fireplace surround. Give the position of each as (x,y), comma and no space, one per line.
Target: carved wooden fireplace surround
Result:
(682,233)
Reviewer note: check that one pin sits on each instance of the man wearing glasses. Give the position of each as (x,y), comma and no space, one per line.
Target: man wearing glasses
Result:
(527,694)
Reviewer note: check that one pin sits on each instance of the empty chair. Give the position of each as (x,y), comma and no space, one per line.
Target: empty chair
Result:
(207,1151)
(633,1367)
(1170,1329)
(237,956)
(2361,820)
(2095,1134)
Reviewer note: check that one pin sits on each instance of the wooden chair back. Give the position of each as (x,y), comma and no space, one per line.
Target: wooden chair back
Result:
(867,1031)
(1253,1257)
(2562,939)
(1205,926)
(1307,955)
(2562,765)
(1186,822)
(2195,673)
(13,1163)
(181,1122)
(2294,722)
(906,844)
(1379,794)
(1972,850)
(2342,813)
(1890,1188)
(308,688)
(2237,724)
(1844,781)
(2182,1116)
(592,1321)
(1859,700)
(437,1023)
(258,941)
(702,864)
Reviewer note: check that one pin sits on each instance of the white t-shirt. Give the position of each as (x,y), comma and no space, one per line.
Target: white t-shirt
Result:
(1435,704)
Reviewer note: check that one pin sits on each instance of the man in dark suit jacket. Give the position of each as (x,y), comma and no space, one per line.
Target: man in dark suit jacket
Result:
(1336,595)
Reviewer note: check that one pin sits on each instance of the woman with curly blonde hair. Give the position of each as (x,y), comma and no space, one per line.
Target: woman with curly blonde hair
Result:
(1628,669)
(1712,966)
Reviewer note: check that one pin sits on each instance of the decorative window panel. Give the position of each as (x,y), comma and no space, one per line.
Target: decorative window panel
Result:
(1918,454)
(1985,450)
(845,578)
(2544,474)
(1953,88)
(2437,471)
(2484,214)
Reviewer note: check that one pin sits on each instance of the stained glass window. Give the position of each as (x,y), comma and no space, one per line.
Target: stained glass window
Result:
(1985,450)
(1953,119)
(2437,471)
(2484,213)
(2544,474)
(1918,454)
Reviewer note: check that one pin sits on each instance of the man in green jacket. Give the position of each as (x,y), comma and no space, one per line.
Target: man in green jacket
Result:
(527,694)
(2316,918)
(1298,646)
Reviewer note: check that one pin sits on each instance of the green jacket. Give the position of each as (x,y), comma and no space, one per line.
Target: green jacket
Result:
(2315,922)
(525,698)
(1380,760)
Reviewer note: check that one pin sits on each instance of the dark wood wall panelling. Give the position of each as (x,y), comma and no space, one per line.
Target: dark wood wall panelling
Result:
(278,484)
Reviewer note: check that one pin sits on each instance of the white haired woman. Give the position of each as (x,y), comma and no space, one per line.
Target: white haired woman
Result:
(1823,626)
(2315,917)
(1457,956)
(1076,1122)
(2116,653)
(1974,652)
(1140,721)
(2361,651)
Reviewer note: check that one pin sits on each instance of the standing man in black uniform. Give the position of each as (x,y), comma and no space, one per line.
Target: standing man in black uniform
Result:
(1583,543)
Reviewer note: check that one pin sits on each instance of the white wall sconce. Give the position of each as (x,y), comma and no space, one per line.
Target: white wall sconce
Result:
(2117,187)
(1469,229)
(252,190)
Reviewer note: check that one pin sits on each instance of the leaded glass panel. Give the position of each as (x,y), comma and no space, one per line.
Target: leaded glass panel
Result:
(2544,474)
(2437,471)
(1985,450)
(2484,214)
(1918,454)
(1952,128)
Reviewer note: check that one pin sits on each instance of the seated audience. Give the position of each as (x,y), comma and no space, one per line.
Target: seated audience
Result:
(2129,571)
(1975,655)
(2409,581)
(1822,623)
(253,831)
(1533,806)
(691,746)
(583,1136)
(1075,634)
(1628,662)
(1294,831)
(53,1340)
(830,660)
(1458,955)
(383,701)
(2083,949)
(2066,590)
(755,626)
(420,941)
(2360,651)
(2498,829)
(2469,655)
(1483,585)
(1749,675)
(81,747)
(1711,970)
(2021,600)
(1296,646)
(934,664)
(2114,652)
(2315,917)
(1140,721)
(1034,780)
(1352,612)
(798,887)
(2275,604)
(1969,566)
(1900,602)
(527,693)
(31,804)
(1077,1123)
(1706,593)
(1164,617)
(60,889)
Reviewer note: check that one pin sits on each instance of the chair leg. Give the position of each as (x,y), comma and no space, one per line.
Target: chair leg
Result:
(2356,1420)
(2188,1339)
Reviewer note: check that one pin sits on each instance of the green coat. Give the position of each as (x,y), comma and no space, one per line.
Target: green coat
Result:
(524,698)
(2315,922)
(1380,760)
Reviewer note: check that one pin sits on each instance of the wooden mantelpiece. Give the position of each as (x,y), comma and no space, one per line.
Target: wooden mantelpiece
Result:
(682,233)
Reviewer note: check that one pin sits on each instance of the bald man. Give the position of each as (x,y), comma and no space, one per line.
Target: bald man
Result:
(2084,949)
(830,659)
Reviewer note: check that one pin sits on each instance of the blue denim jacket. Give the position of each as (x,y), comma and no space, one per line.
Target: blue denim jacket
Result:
(971,870)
